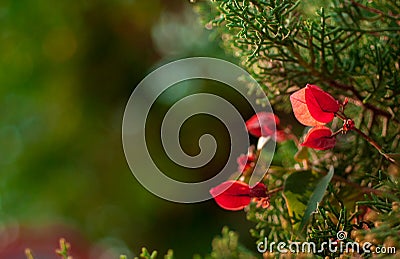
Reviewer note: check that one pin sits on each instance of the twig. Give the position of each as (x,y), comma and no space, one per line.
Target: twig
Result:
(373,10)
(374,144)
(369,106)
(273,191)
(362,134)
(385,123)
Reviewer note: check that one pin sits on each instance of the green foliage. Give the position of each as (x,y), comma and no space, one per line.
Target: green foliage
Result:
(316,197)
(224,246)
(227,246)
(350,49)
(153,255)
(60,84)
(62,251)
(303,199)
(273,223)
(347,48)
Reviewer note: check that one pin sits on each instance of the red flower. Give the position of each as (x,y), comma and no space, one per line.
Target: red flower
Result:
(262,124)
(320,138)
(312,106)
(235,195)
(246,162)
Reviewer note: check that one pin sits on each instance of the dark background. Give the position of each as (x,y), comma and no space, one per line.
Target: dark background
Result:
(67,69)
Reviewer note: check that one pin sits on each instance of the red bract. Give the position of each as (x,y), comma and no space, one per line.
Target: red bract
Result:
(262,124)
(320,138)
(312,106)
(245,162)
(235,195)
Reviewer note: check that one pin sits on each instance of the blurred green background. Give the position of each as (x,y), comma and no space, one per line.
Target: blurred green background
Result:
(67,69)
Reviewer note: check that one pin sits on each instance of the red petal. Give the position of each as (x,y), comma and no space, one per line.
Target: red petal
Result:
(300,109)
(232,195)
(312,106)
(321,105)
(320,138)
(245,162)
(262,124)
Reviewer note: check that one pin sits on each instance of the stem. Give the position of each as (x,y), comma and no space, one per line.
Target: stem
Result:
(273,191)
(373,10)
(366,137)
(337,133)
(369,106)
(341,116)
(374,144)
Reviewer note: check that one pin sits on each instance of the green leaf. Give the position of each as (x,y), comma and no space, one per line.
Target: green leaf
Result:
(303,190)
(297,192)
(316,197)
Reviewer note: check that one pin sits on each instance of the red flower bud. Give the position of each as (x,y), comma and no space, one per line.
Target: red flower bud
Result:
(348,125)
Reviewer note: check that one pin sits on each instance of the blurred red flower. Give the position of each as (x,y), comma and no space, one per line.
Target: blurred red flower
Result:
(264,124)
(246,162)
